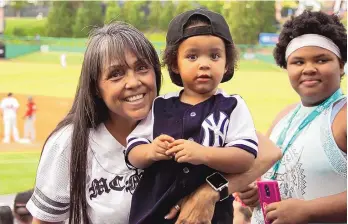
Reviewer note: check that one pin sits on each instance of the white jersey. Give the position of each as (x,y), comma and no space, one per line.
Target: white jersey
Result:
(9,106)
(313,166)
(110,182)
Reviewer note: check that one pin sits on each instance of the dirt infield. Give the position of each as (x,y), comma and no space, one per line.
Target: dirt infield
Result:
(16,147)
(50,110)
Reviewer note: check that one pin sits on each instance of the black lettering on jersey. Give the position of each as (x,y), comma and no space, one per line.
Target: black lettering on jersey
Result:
(133,182)
(119,183)
(98,187)
(115,184)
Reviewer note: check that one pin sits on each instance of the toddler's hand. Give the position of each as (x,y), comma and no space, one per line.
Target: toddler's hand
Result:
(160,146)
(186,151)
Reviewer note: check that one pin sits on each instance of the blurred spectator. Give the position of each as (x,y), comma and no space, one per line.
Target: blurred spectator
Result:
(20,212)
(249,54)
(6,216)
(39,16)
(37,37)
(29,124)
(9,106)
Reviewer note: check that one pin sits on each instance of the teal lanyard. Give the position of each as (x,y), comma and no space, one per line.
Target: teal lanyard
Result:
(320,108)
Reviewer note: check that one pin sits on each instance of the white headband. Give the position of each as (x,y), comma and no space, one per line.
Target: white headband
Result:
(311,40)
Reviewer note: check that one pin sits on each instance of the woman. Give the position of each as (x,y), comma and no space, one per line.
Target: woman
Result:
(82,175)
(312,174)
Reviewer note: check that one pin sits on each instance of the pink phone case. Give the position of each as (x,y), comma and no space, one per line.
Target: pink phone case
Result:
(268,193)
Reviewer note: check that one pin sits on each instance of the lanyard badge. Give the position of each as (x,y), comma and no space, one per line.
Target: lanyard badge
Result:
(320,108)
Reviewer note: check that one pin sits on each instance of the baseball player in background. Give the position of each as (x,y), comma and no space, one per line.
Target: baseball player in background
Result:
(63,60)
(29,127)
(9,106)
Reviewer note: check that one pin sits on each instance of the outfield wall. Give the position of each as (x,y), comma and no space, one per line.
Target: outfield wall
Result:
(13,50)
(18,46)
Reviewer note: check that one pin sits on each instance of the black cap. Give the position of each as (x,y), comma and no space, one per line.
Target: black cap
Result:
(218,27)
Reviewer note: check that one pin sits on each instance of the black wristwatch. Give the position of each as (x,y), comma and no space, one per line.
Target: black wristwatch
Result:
(219,183)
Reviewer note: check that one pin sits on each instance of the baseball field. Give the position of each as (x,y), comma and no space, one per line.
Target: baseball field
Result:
(264,87)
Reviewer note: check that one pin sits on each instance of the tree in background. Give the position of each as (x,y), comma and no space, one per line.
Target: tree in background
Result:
(215,6)
(113,12)
(248,19)
(134,14)
(60,18)
(183,6)
(155,9)
(167,14)
(74,19)
(18,6)
(266,17)
(89,15)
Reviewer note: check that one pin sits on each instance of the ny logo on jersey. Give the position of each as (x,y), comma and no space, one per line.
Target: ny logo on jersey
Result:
(215,128)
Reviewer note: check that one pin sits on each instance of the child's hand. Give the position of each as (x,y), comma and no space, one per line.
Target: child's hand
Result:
(160,146)
(250,195)
(289,211)
(186,151)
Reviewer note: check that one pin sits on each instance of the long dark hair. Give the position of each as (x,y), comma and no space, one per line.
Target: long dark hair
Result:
(105,45)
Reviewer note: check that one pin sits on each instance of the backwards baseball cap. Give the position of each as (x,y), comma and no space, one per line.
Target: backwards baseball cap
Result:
(218,27)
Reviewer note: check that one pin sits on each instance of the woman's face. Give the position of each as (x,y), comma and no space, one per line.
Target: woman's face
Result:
(128,90)
(314,73)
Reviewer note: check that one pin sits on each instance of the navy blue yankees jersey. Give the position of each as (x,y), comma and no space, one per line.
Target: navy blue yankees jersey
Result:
(220,121)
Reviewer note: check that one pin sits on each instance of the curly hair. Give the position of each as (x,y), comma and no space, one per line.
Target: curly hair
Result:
(311,23)
(171,52)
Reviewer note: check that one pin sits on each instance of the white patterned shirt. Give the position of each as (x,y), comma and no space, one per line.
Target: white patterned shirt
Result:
(313,166)
(110,182)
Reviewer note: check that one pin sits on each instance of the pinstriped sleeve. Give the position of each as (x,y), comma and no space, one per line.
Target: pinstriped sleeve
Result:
(51,197)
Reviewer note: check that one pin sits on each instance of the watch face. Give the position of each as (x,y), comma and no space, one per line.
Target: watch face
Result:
(217,180)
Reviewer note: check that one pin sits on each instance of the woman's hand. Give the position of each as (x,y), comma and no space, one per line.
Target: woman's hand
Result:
(197,208)
(290,211)
(250,196)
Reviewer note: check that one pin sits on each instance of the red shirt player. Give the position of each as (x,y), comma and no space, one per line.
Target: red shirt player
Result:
(31,108)
(29,128)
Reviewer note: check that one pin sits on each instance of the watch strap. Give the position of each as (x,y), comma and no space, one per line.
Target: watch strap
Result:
(224,193)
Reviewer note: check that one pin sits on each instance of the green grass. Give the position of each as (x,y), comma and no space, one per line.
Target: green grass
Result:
(38,78)
(29,26)
(263,86)
(17,171)
(74,59)
(156,37)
